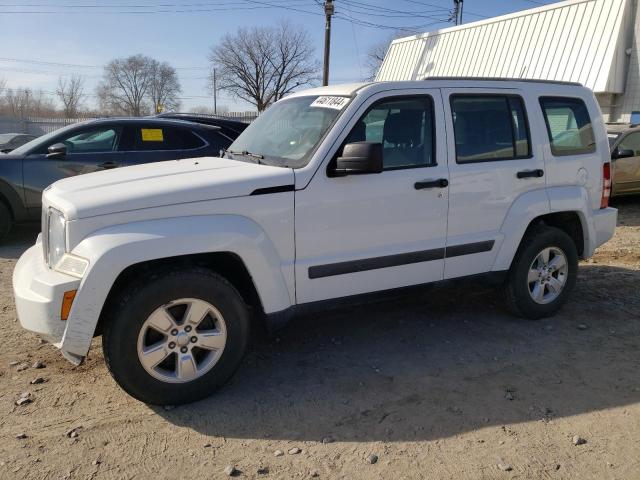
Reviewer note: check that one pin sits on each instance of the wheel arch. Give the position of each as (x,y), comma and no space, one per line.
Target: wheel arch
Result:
(561,207)
(569,222)
(120,253)
(13,202)
(227,264)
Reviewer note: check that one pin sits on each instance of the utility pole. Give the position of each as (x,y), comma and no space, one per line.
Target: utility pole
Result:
(329,10)
(461,3)
(456,14)
(215,93)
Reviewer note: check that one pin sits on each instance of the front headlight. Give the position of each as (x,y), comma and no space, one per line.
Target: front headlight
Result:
(56,237)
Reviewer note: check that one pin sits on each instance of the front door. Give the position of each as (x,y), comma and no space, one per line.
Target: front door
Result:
(626,171)
(89,149)
(366,233)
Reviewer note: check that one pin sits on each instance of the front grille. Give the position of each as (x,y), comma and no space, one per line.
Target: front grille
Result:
(45,233)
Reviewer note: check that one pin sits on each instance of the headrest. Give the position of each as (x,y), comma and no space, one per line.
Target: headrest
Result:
(358,134)
(403,127)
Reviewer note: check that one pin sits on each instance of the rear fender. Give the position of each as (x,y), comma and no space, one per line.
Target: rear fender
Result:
(527,207)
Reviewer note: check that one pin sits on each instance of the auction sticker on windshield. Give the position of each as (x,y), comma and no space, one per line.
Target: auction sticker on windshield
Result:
(337,103)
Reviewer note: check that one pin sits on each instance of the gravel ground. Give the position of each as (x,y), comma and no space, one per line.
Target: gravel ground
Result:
(442,385)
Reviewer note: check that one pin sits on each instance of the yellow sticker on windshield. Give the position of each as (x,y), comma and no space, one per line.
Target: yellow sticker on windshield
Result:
(152,135)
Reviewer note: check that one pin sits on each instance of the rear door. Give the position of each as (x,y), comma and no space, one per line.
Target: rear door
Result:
(493,159)
(626,171)
(89,149)
(147,143)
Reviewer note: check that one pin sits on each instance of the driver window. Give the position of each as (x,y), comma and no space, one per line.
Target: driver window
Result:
(92,141)
(631,142)
(404,127)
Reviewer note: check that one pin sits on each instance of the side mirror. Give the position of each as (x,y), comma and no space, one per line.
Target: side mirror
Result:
(359,158)
(622,153)
(57,150)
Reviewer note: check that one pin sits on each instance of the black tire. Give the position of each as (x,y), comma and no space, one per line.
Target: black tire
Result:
(516,288)
(6,220)
(126,318)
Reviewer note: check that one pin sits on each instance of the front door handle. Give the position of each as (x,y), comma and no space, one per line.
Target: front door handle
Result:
(531,173)
(439,183)
(108,165)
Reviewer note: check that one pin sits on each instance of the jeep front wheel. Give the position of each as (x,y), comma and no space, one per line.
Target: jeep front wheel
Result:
(542,274)
(177,338)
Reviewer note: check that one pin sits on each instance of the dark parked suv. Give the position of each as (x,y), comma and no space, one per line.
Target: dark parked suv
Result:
(97,145)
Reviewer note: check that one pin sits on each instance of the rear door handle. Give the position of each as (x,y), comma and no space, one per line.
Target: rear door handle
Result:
(530,173)
(108,165)
(439,183)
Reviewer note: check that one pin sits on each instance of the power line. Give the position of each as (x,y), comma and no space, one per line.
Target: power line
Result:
(75,65)
(160,9)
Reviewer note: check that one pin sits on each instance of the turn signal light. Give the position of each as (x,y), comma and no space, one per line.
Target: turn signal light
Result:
(67,301)
(606,185)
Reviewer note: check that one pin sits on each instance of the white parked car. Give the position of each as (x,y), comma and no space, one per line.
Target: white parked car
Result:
(332,192)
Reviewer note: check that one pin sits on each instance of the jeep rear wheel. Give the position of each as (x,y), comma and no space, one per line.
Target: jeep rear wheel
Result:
(543,273)
(177,338)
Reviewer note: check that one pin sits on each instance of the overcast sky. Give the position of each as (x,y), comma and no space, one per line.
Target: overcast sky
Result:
(79,36)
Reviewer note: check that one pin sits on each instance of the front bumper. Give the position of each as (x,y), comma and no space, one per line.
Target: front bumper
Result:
(38,292)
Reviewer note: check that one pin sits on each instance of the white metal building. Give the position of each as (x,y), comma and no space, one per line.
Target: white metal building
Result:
(594,42)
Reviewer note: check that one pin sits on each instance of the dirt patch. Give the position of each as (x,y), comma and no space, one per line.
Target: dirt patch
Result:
(442,385)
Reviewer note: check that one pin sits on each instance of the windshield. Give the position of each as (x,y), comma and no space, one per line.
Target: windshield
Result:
(289,131)
(27,147)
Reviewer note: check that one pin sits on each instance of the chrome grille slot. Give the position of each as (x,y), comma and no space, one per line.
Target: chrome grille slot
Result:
(45,234)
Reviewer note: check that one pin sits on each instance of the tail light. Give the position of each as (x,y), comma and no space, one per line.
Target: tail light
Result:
(606,185)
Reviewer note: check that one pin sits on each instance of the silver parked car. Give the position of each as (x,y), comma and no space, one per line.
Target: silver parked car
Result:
(11,141)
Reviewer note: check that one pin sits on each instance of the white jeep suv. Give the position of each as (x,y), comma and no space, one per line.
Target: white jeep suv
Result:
(332,192)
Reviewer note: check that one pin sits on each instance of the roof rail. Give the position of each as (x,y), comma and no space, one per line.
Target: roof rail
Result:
(506,79)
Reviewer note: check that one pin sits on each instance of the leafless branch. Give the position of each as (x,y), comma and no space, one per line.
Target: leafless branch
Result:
(262,64)
(71,94)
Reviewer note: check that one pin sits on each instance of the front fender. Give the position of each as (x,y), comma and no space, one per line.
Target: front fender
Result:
(111,250)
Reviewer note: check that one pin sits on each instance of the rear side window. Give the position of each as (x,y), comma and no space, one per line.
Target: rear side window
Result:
(165,138)
(568,125)
(489,128)
(631,142)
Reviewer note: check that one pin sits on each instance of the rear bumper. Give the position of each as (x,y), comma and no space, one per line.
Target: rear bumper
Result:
(38,293)
(604,225)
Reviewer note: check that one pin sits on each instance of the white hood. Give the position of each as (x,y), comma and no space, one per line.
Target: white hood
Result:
(159,184)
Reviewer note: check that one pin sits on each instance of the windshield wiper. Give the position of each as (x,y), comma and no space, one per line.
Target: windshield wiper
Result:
(246,153)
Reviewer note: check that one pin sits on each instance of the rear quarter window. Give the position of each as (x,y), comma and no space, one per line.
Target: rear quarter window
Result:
(568,126)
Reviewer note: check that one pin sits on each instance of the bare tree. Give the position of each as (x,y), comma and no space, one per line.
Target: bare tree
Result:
(17,101)
(24,102)
(3,84)
(375,57)
(125,85)
(164,87)
(71,93)
(262,64)
(138,85)
(377,52)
